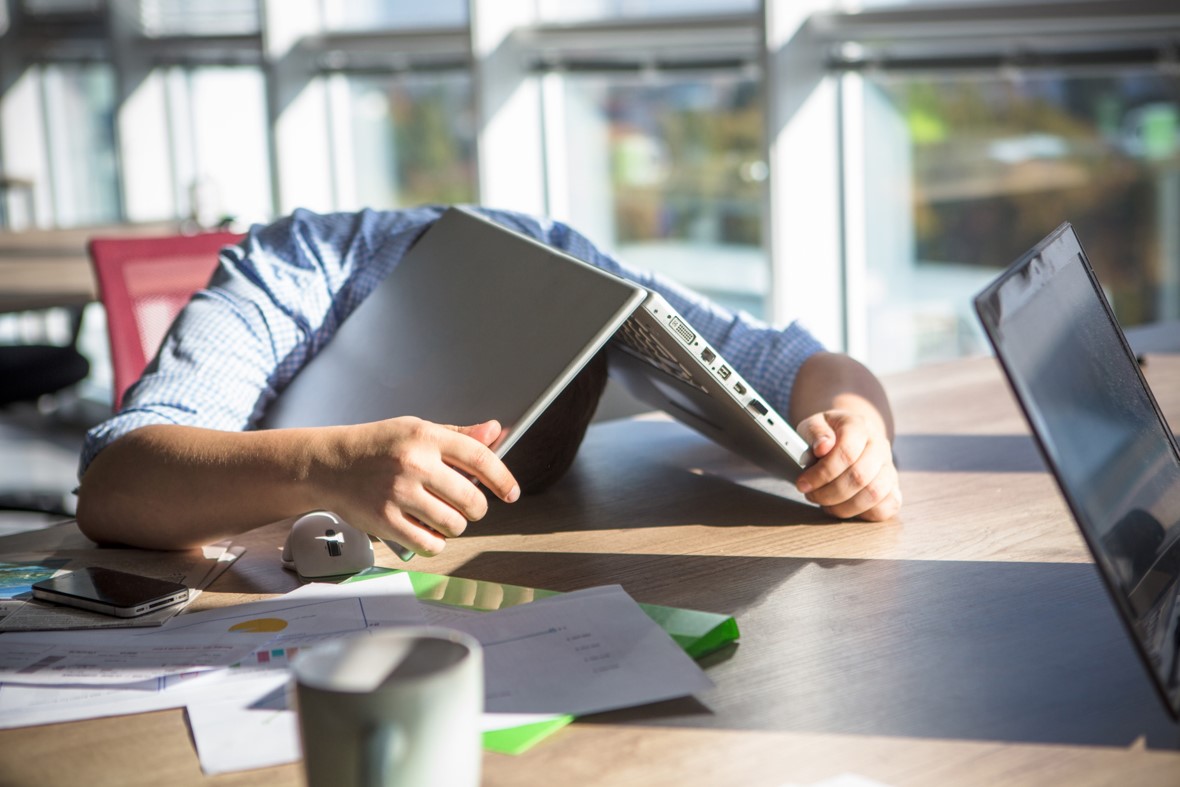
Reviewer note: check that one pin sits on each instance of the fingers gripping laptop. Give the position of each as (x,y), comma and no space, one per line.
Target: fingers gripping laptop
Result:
(1101,433)
(478,322)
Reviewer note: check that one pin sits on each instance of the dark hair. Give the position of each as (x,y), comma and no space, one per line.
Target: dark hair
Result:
(545,452)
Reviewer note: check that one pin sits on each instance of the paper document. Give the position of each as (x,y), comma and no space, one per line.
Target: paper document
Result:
(235,729)
(44,659)
(249,677)
(244,721)
(312,612)
(578,653)
(575,653)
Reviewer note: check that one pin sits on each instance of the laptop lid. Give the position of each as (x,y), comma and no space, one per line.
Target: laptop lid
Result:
(475,322)
(1101,433)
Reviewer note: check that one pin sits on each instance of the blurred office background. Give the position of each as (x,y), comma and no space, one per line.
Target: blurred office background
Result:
(865,166)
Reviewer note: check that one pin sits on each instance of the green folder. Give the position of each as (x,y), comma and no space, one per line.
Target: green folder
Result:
(699,633)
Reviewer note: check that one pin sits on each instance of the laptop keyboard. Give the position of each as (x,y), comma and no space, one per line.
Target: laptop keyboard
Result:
(635,338)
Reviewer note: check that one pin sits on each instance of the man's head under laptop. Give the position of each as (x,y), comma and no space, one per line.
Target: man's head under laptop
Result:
(545,452)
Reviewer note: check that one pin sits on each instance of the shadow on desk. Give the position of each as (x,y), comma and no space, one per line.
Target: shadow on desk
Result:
(1013,652)
(575,504)
(677,470)
(968,453)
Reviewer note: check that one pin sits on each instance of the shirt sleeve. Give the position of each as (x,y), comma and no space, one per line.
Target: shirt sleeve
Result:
(272,301)
(767,357)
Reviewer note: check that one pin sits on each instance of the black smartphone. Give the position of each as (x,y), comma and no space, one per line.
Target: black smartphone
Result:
(110,592)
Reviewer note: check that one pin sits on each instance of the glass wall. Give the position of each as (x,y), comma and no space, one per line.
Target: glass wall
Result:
(218,131)
(404,140)
(577,10)
(899,188)
(165,18)
(669,171)
(391,14)
(963,173)
(79,105)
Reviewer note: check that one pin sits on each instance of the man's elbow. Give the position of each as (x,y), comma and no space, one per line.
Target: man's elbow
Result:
(90,517)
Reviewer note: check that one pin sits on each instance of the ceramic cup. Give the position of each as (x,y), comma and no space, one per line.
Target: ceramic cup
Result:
(397,707)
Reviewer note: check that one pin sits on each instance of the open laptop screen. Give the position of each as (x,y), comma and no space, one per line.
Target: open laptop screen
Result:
(1100,431)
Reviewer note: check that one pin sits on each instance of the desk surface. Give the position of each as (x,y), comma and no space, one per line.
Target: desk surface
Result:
(968,643)
(45,268)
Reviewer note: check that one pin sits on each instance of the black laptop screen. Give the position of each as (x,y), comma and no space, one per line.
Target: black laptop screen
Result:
(1099,429)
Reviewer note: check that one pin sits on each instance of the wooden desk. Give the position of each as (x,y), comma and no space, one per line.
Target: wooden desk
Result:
(968,643)
(40,269)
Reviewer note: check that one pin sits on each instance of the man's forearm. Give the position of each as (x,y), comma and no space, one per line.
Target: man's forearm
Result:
(170,486)
(829,381)
(403,479)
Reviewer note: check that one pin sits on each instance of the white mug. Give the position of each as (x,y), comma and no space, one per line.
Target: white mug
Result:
(397,707)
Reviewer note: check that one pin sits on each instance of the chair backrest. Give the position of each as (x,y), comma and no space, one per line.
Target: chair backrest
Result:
(143,283)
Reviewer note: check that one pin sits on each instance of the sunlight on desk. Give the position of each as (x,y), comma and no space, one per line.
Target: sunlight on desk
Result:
(970,642)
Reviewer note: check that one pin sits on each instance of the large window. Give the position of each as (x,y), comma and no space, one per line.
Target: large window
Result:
(217,125)
(402,141)
(167,18)
(668,171)
(863,165)
(390,14)
(577,10)
(975,169)
(78,106)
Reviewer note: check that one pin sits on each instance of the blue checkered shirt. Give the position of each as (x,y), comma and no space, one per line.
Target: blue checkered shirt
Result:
(277,298)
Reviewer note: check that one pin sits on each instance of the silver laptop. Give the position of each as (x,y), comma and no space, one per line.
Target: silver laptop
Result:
(1101,433)
(662,360)
(474,323)
(478,322)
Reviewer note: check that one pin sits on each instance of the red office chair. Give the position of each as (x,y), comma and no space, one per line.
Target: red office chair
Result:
(143,283)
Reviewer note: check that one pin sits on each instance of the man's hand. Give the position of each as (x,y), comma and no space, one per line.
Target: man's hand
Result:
(411,481)
(853,475)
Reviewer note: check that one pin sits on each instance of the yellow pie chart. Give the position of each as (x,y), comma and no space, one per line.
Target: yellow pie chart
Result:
(260,625)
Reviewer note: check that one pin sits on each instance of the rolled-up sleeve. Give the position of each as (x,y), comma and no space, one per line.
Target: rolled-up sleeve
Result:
(243,337)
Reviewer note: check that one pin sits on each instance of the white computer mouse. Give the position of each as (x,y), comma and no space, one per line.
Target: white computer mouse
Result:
(321,545)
